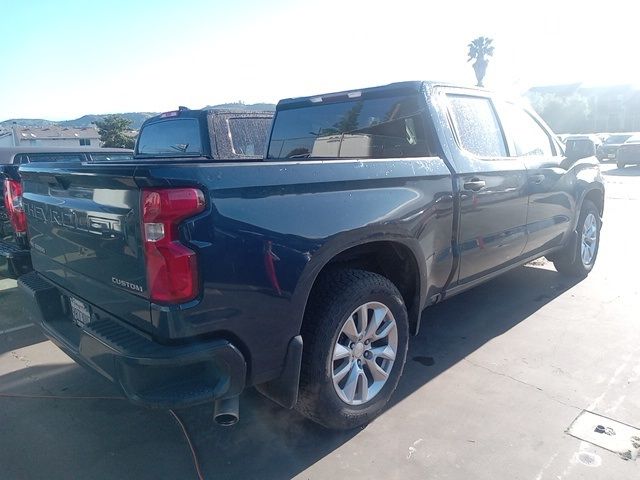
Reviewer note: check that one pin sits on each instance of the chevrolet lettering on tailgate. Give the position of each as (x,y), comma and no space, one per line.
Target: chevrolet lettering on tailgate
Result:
(105,225)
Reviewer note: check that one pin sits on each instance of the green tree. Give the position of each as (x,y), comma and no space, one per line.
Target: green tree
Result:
(479,50)
(112,130)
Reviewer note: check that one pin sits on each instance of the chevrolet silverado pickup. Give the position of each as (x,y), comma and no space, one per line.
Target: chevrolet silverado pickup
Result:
(15,258)
(187,280)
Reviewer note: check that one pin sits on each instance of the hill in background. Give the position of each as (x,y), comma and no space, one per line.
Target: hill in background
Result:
(136,118)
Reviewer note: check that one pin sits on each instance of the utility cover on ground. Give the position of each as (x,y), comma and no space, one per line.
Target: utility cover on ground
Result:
(607,433)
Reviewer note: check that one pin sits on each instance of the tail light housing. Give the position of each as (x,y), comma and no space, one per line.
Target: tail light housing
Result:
(14,206)
(172,270)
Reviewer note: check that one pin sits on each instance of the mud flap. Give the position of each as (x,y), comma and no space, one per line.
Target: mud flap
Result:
(284,389)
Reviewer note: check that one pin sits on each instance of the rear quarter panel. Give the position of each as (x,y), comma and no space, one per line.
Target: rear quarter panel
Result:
(272,227)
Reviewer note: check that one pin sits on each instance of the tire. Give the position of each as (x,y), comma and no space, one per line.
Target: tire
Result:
(570,260)
(620,165)
(336,300)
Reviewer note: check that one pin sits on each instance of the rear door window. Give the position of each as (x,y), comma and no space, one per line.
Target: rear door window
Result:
(477,127)
(171,138)
(249,135)
(387,127)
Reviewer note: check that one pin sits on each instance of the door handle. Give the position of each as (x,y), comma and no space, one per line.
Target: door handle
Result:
(536,179)
(474,184)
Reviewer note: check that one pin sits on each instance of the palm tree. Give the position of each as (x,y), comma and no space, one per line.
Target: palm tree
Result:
(480,49)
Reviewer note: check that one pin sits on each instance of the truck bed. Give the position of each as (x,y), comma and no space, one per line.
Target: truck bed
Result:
(267,230)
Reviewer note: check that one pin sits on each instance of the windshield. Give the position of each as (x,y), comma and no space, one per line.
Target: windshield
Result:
(171,138)
(374,128)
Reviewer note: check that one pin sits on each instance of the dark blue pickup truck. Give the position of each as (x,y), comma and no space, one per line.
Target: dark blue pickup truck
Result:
(185,279)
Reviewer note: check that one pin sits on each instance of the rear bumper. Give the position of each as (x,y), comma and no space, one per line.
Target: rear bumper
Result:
(147,372)
(14,261)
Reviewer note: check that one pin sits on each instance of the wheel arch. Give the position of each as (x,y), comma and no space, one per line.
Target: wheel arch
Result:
(593,191)
(396,259)
(595,195)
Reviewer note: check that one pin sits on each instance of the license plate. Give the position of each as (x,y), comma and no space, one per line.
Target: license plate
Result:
(79,311)
(612,155)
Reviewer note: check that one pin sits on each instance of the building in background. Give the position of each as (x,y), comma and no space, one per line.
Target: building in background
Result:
(50,136)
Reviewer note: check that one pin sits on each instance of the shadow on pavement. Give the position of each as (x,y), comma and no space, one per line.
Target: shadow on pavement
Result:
(15,330)
(29,335)
(112,439)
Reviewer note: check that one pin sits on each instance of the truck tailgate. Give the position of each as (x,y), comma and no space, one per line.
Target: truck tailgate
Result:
(84,230)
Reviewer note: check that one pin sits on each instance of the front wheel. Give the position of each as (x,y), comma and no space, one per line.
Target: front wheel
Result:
(578,258)
(620,164)
(355,335)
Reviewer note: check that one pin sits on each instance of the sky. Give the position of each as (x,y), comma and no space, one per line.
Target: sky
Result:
(66,58)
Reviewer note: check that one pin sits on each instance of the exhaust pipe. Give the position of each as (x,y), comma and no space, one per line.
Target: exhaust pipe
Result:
(226,411)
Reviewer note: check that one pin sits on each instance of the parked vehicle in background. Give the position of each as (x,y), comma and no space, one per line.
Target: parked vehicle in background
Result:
(303,273)
(15,258)
(208,133)
(609,148)
(629,152)
(215,134)
(582,146)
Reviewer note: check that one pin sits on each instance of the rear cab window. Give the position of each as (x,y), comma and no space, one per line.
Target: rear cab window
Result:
(20,159)
(616,139)
(385,127)
(172,137)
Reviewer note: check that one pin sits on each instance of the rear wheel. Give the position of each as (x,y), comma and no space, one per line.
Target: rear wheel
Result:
(355,335)
(578,258)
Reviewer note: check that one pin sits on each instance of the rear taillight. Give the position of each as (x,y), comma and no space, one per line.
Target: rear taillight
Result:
(172,270)
(13,204)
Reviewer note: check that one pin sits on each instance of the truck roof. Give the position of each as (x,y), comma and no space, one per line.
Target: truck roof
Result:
(203,112)
(397,88)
